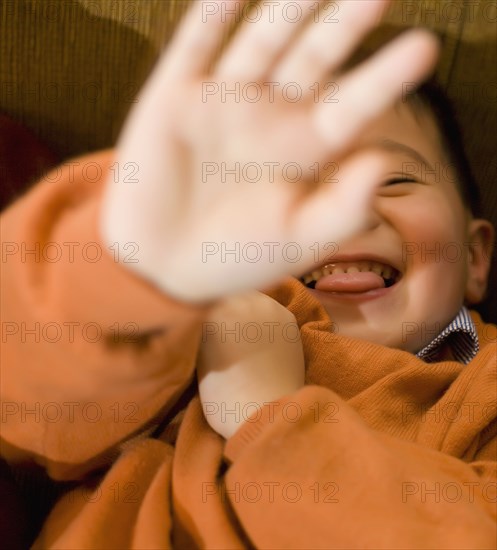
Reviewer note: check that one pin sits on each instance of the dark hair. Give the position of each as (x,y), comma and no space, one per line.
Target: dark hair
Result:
(431,96)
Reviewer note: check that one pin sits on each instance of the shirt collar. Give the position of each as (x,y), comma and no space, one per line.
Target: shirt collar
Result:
(460,334)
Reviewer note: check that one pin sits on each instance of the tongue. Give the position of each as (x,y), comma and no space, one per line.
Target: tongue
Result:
(350,282)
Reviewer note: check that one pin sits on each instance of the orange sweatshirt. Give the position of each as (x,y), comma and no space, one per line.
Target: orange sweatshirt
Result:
(378,450)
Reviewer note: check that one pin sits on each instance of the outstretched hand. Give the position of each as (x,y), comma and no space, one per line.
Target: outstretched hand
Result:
(201,228)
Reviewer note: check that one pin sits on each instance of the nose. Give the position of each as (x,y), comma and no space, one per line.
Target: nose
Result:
(373,217)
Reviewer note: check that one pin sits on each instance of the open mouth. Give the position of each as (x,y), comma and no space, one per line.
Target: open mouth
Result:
(352,277)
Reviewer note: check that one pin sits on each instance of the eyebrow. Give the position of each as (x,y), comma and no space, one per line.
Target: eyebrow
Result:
(396,146)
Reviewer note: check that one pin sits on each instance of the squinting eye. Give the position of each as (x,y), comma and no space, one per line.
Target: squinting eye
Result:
(394,181)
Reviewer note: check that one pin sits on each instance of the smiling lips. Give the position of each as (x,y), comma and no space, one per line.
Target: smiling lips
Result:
(352,277)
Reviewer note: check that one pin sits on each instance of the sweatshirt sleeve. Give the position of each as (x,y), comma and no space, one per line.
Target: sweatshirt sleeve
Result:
(307,472)
(91,353)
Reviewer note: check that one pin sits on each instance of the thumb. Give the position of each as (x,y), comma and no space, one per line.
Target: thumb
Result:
(337,211)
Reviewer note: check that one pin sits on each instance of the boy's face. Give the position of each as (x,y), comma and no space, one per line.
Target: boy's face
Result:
(440,256)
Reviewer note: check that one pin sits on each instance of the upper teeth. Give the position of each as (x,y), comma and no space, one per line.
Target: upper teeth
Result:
(380,269)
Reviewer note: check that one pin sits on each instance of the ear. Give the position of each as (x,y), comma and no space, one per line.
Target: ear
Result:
(480,243)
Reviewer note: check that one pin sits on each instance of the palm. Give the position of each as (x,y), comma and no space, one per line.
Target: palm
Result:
(212,172)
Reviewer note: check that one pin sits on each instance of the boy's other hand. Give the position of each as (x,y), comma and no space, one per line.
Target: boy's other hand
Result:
(230,191)
(251,354)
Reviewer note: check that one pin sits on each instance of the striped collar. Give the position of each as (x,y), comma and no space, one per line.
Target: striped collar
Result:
(460,335)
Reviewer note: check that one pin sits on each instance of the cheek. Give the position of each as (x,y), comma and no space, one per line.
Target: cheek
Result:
(431,233)
(434,251)
(431,229)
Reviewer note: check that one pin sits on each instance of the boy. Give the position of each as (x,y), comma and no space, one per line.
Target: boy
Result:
(352,458)
(381,285)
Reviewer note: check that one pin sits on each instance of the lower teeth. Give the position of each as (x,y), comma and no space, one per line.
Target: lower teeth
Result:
(312,284)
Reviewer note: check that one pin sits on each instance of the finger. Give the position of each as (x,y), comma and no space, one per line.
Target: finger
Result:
(263,37)
(335,212)
(328,43)
(374,86)
(200,35)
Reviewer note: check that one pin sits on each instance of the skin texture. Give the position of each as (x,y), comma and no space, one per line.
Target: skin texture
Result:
(173,209)
(422,228)
(259,361)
